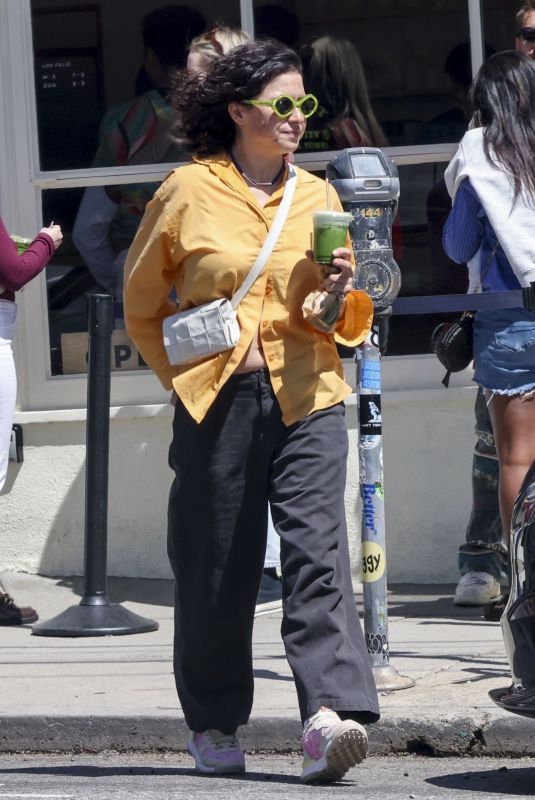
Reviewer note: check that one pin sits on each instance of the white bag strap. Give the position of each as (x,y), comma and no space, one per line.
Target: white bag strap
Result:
(273,235)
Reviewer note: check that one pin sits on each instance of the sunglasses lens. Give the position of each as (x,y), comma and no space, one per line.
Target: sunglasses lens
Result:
(528,34)
(308,106)
(284,106)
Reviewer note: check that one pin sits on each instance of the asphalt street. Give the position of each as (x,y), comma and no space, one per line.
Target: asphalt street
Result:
(170,776)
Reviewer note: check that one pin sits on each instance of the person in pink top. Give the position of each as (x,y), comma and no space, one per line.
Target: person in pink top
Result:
(15,272)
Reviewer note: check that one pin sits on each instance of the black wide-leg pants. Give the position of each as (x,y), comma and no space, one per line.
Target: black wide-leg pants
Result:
(226,469)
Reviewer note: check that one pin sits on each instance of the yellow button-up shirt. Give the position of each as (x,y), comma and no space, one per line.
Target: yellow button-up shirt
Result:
(201,234)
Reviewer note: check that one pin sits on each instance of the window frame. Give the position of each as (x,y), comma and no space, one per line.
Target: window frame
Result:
(20,201)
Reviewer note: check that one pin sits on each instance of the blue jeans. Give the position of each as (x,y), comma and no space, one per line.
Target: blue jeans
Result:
(484,550)
(504,350)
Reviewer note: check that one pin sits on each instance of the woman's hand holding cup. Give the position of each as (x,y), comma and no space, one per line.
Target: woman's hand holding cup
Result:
(338,275)
(55,233)
(330,250)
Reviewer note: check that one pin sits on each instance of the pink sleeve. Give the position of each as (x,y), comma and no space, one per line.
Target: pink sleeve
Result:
(15,270)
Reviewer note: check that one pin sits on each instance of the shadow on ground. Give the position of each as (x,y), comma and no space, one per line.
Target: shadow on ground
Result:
(157,592)
(90,771)
(433,601)
(502,782)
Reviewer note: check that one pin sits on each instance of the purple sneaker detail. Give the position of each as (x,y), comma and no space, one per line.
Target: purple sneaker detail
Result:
(311,742)
(216,752)
(331,747)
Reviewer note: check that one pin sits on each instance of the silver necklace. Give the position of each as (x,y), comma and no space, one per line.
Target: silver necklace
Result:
(254,182)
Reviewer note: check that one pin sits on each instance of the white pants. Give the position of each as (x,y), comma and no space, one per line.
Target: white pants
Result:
(8,383)
(273,546)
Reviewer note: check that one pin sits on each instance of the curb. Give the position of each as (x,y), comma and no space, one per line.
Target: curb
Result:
(459,736)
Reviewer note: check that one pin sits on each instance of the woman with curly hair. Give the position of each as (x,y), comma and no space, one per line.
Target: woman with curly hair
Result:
(263,421)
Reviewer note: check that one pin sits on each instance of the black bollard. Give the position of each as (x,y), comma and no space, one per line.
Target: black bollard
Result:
(95,615)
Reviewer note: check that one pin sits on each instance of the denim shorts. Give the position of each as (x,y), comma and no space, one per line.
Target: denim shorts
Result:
(504,350)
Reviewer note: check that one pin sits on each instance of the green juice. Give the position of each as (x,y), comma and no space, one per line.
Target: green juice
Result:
(330,232)
(22,243)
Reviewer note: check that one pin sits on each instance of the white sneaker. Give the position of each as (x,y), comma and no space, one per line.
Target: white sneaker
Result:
(331,747)
(476,589)
(216,752)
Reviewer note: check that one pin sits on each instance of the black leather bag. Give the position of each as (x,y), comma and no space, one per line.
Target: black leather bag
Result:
(453,344)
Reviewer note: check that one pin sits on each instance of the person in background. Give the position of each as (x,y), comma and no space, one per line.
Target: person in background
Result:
(16,270)
(276,22)
(451,124)
(483,554)
(483,558)
(333,72)
(211,45)
(525,29)
(263,421)
(345,117)
(138,132)
(492,182)
(269,596)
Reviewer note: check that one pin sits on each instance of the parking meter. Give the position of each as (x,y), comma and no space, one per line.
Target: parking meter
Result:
(367,183)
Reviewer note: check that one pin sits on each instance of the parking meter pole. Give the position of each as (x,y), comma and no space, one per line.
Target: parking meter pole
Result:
(373,512)
(367,183)
(95,615)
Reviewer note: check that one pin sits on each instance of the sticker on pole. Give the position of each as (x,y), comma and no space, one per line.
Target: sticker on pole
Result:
(370,418)
(373,562)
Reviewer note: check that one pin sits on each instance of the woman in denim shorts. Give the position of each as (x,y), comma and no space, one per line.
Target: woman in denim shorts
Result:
(492,182)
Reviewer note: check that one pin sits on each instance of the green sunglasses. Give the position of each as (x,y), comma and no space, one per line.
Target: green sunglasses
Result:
(284,105)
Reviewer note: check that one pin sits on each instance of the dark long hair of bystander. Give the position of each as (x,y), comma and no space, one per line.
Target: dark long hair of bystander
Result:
(503,97)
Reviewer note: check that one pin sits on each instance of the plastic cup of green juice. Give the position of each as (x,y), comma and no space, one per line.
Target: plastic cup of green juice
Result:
(21,242)
(330,232)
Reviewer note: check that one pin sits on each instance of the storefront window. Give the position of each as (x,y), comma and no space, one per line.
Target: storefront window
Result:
(70,280)
(423,209)
(412,58)
(102,102)
(96,109)
(424,206)
(91,73)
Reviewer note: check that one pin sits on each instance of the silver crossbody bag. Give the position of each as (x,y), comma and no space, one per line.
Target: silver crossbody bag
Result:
(213,327)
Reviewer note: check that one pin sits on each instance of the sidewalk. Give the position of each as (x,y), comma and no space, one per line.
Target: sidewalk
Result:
(91,694)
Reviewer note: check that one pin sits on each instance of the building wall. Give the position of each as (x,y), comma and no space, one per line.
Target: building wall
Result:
(428,431)
(428,442)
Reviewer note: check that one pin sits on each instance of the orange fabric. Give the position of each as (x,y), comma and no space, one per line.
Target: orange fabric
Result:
(201,234)
(356,322)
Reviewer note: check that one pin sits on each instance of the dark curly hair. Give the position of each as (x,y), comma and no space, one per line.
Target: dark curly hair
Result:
(203,123)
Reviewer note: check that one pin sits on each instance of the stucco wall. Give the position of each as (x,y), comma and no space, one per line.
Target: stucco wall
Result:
(428,443)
